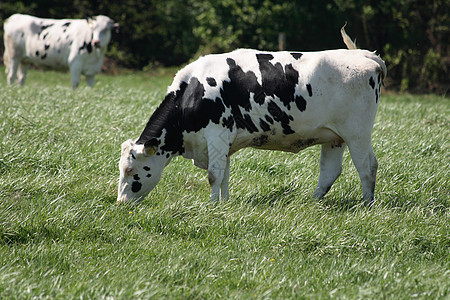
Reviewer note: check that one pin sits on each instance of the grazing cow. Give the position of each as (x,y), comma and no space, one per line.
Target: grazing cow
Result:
(284,101)
(77,45)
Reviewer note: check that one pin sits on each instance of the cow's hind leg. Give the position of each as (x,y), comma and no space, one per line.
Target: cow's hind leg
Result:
(366,164)
(11,72)
(75,74)
(11,59)
(224,191)
(330,168)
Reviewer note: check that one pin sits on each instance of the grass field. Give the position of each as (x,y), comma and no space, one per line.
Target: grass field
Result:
(63,236)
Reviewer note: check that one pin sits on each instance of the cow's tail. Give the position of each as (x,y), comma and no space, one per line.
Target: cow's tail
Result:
(380,62)
(5,58)
(351,45)
(5,43)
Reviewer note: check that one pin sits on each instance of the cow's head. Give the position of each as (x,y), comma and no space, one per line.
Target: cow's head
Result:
(140,167)
(101,30)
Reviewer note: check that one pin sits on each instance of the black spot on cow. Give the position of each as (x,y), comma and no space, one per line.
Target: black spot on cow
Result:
(37,53)
(46,26)
(197,111)
(66,24)
(45,35)
(376,96)
(44,56)
(268,119)
(235,94)
(136,177)
(280,116)
(301,144)
(379,79)
(228,122)
(146,168)
(260,141)
(260,97)
(309,88)
(277,81)
(372,82)
(300,102)
(264,126)
(211,81)
(87,46)
(46,47)
(136,186)
(248,123)
(149,175)
(296,55)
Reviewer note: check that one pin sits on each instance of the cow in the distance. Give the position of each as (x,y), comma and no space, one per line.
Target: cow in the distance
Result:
(75,44)
(284,101)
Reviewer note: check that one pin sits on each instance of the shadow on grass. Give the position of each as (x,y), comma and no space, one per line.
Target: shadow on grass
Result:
(282,195)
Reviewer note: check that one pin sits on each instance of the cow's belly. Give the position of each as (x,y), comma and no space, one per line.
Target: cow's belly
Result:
(295,142)
(48,60)
(196,145)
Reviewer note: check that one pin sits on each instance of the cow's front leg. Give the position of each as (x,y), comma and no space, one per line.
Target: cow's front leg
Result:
(218,173)
(75,74)
(218,162)
(330,168)
(215,177)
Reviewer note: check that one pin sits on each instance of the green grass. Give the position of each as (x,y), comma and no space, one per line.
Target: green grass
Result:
(63,236)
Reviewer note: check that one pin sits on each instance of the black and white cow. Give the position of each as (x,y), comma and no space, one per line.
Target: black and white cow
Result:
(284,101)
(75,44)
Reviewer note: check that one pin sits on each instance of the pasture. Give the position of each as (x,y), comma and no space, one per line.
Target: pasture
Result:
(63,236)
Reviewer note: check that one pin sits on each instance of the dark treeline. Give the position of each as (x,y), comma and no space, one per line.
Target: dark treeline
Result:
(411,35)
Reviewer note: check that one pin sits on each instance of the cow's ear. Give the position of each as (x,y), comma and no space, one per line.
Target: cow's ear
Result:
(150,146)
(116,27)
(90,21)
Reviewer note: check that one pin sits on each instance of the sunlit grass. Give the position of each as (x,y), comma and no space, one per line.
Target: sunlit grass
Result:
(63,236)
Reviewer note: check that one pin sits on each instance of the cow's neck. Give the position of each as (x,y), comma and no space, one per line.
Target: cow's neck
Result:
(164,125)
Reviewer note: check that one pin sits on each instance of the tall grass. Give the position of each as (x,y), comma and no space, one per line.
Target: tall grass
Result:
(63,236)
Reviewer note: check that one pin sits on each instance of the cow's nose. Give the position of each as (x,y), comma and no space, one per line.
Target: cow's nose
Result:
(96,43)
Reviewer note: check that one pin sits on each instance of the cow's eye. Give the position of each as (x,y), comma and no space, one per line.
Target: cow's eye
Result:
(128,171)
